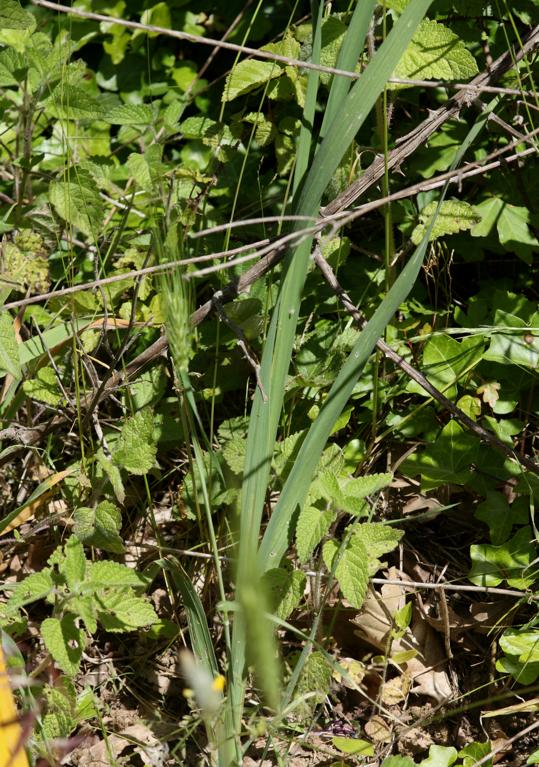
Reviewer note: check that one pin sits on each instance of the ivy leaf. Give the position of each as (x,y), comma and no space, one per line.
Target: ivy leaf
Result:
(64,641)
(351,570)
(513,348)
(311,527)
(454,216)
(12,16)
(440,756)
(9,348)
(43,387)
(137,449)
(513,230)
(124,611)
(510,561)
(100,527)
(436,53)
(78,204)
(524,644)
(446,360)
(129,114)
(285,588)
(247,76)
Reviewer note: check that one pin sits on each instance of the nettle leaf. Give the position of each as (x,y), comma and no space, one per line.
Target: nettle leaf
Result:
(137,448)
(78,204)
(12,16)
(33,587)
(59,721)
(510,562)
(454,216)
(74,566)
(234,454)
(363,487)
(71,102)
(313,684)
(124,611)
(436,53)
(113,474)
(247,76)
(285,589)
(9,348)
(378,539)
(311,527)
(350,566)
(84,608)
(44,387)
(100,527)
(129,114)
(107,574)
(64,641)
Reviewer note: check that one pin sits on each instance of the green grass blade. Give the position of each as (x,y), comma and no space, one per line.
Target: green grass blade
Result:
(349,54)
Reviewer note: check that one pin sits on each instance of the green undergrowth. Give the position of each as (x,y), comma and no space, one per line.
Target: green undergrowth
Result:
(203,500)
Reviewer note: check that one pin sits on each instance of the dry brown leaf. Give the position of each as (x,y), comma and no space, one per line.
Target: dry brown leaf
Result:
(395,690)
(377,729)
(139,738)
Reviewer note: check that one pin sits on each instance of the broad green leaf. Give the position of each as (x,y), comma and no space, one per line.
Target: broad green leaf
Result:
(511,562)
(129,114)
(352,568)
(311,527)
(84,607)
(353,746)
(35,586)
(99,527)
(9,348)
(453,216)
(523,673)
(440,756)
(514,232)
(285,589)
(522,643)
(64,641)
(136,450)
(108,574)
(436,53)
(12,16)
(120,611)
(518,348)
(247,76)
(44,387)
(398,761)
(79,205)
(447,461)
(234,454)
(445,360)
(473,752)
(496,513)
(489,211)
(74,567)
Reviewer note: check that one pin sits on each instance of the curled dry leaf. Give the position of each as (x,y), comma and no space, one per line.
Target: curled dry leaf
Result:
(425,668)
(378,730)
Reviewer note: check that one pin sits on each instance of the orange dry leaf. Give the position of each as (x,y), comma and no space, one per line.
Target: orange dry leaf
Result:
(12,753)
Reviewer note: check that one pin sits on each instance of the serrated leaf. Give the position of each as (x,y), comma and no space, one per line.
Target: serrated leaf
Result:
(9,348)
(285,589)
(33,587)
(378,539)
(314,682)
(114,475)
(71,102)
(12,16)
(109,574)
(129,114)
(100,527)
(84,607)
(137,449)
(234,454)
(369,484)
(436,53)
(351,570)
(247,76)
(64,641)
(311,527)
(74,566)
(79,206)
(43,387)
(454,216)
(124,611)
